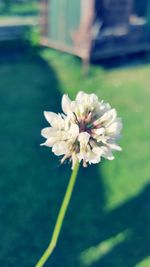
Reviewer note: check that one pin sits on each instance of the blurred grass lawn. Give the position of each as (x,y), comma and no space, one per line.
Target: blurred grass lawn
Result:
(108,221)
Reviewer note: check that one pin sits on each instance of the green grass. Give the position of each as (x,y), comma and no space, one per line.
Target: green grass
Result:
(108,220)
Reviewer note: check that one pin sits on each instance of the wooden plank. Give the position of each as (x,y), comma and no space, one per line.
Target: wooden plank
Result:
(62,47)
(43,21)
(112,52)
(73,17)
(18,21)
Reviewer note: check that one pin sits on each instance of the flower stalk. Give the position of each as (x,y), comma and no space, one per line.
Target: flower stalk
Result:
(60,218)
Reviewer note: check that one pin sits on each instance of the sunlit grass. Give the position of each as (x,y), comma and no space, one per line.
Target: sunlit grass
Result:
(144,263)
(94,254)
(128,91)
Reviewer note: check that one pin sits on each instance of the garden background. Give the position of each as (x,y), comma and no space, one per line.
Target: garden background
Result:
(108,220)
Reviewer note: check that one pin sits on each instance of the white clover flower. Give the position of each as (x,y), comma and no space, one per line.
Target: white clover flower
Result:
(87,131)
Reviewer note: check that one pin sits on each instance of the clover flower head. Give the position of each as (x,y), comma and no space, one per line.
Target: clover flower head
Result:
(86,131)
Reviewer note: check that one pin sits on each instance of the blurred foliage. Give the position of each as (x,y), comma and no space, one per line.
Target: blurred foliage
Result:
(34,37)
(24,7)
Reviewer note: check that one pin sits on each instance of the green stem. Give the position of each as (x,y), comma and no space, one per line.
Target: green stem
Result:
(60,218)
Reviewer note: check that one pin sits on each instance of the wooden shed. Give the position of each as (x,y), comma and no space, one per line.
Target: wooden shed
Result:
(96,28)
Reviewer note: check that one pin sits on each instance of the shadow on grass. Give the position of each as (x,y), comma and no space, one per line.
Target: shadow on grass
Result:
(28,183)
(81,228)
(132,219)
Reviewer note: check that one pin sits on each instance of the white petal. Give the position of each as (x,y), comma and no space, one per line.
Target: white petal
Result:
(74,160)
(50,116)
(107,153)
(74,131)
(94,159)
(80,96)
(112,114)
(47,132)
(84,138)
(115,147)
(93,98)
(84,147)
(60,148)
(82,102)
(99,131)
(114,128)
(98,151)
(95,156)
(66,104)
(49,142)
(107,118)
(104,107)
